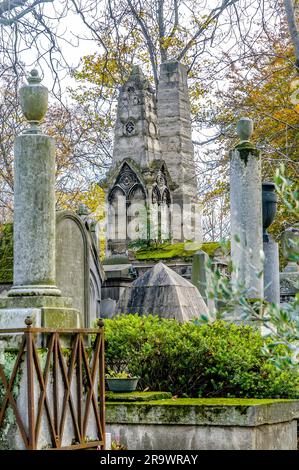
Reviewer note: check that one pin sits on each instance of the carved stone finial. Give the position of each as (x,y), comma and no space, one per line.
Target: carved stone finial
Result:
(34,101)
(245,128)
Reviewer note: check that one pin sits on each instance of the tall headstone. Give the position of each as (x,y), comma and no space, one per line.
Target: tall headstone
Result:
(78,270)
(270,247)
(246,212)
(174,118)
(34,292)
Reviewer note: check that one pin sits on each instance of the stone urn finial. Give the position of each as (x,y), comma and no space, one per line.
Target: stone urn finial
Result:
(269,207)
(245,128)
(34,101)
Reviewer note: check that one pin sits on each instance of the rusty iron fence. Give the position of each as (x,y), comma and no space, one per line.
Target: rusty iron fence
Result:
(84,366)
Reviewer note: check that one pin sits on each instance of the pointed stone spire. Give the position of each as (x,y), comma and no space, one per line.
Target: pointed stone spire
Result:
(136,129)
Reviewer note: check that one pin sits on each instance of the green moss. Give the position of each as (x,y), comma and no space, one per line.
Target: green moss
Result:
(245,149)
(175,250)
(246,144)
(239,402)
(6,253)
(137,396)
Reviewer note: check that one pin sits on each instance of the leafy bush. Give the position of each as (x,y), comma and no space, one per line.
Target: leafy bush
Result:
(212,360)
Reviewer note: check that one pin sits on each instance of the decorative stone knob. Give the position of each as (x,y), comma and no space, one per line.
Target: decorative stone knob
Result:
(245,128)
(28,321)
(34,100)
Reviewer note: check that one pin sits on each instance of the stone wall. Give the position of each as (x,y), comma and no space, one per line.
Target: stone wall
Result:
(205,424)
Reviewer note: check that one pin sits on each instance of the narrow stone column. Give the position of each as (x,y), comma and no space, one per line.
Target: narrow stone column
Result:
(34,198)
(271,271)
(246,211)
(201,278)
(270,247)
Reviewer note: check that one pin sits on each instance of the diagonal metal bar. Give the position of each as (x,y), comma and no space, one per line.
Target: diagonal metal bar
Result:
(102,385)
(9,396)
(30,389)
(80,387)
(92,378)
(70,398)
(43,399)
(63,374)
(91,388)
(67,395)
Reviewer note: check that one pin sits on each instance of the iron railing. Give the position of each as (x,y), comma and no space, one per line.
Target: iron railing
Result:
(67,382)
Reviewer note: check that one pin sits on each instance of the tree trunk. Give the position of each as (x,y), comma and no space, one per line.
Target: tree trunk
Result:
(292,19)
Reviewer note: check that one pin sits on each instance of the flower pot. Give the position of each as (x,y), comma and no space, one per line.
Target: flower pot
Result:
(122,385)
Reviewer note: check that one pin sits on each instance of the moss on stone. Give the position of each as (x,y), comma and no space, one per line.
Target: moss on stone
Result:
(175,250)
(6,253)
(203,412)
(137,396)
(236,402)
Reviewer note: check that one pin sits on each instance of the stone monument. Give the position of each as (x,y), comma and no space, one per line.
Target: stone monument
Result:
(246,211)
(79,273)
(174,119)
(34,292)
(152,187)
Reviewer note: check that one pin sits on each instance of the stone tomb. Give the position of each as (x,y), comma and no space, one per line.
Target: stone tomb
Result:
(161,291)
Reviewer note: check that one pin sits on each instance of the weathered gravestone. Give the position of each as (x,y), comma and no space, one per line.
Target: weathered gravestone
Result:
(78,271)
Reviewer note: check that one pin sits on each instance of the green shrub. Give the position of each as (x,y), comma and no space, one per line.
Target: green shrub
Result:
(212,360)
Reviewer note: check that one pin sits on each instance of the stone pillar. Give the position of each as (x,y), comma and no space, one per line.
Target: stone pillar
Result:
(271,271)
(246,211)
(200,277)
(34,198)
(174,118)
(270,247)
(34,292)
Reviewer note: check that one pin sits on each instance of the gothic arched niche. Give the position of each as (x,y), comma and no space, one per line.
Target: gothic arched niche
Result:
(161,205)
(165,215)
(128,207)
(137,214)
(117,214)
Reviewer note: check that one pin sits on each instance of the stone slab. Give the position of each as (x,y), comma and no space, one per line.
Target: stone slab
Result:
(282,436)
(204,412)
(205,424)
